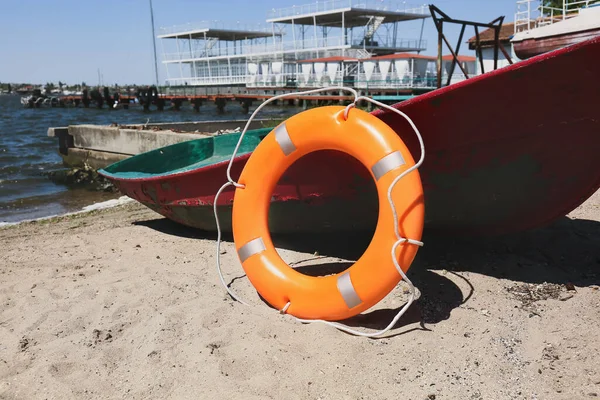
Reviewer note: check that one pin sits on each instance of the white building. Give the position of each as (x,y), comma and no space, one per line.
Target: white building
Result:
(486,40)
(303,46)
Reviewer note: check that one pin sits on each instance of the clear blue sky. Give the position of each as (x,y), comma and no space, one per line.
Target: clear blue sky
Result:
(68,40)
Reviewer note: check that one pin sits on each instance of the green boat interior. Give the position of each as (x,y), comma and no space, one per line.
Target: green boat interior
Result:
(185,156)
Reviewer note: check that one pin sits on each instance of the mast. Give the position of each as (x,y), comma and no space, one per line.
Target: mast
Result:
(154,44)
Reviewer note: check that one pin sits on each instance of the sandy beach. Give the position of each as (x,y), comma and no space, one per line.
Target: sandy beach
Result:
(122,303)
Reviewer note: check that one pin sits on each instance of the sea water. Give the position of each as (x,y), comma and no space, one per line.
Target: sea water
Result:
(28,155)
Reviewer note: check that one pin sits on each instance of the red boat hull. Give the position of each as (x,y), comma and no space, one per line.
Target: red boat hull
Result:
(512,149)
(506,151)
(313,195)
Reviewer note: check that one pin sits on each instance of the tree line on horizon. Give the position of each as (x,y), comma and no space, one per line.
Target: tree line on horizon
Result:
(559,4)
(48,87)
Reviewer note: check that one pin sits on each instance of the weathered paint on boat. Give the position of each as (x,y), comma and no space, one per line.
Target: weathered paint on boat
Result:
(512,149)
(506,151)
(180,182)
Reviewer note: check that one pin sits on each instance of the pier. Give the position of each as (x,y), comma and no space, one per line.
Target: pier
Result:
(197,97)
(99,146)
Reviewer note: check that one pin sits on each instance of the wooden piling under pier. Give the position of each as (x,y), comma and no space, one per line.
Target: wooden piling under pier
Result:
(196,97)
(219,99)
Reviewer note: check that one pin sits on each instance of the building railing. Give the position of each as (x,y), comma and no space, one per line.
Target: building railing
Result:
(181,90)
(332,5)
(332,42)
(551,14)
(271,80)
(203,25)
(207,81)
(392,81)
(313,80)
(258,49)
(298,45)
(359,81)
(405,44)
(528,17)
(293,80)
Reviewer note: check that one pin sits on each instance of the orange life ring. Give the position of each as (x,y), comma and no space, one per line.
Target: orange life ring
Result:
(374,275)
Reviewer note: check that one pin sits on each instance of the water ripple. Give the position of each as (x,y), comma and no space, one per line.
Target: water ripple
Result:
(27,153)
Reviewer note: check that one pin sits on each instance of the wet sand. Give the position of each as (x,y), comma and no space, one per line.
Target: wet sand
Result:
(122,303)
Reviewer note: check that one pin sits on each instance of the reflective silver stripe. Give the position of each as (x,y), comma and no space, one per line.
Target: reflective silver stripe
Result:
(387,163)
(251,248)
(344,285)
(283,139)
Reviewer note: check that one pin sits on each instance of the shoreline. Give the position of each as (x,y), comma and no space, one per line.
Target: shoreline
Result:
(82,210)
(121,302)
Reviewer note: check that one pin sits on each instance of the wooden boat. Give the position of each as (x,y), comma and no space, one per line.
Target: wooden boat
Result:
(509,150)
(180,182)
(583,26)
